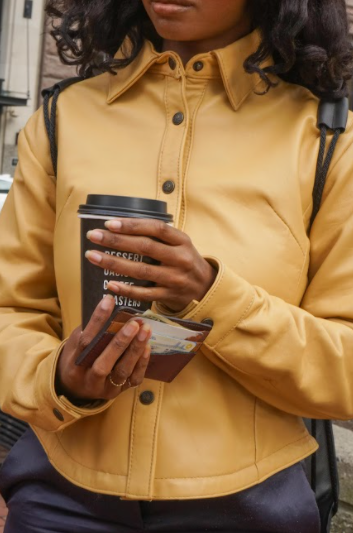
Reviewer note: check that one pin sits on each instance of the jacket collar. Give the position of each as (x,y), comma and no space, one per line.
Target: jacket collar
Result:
(226,63)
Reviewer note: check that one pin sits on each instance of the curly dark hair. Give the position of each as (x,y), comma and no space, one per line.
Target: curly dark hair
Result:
(308,39)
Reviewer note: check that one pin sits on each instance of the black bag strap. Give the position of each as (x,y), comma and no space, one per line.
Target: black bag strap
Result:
(332,115)
(50,118)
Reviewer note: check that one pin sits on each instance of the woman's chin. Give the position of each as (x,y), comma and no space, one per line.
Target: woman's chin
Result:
(174,31)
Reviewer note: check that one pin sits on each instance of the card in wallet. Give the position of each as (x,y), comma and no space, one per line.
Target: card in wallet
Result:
(164,365)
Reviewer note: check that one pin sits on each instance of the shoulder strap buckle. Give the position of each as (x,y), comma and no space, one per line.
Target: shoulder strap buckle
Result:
(333,114)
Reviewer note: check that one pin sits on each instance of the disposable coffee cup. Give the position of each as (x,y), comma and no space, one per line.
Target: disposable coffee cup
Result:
(94,280)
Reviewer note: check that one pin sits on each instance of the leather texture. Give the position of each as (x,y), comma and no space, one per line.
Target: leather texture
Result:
(280,348)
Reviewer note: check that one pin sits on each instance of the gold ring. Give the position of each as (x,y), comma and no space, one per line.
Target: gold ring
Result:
(113,382)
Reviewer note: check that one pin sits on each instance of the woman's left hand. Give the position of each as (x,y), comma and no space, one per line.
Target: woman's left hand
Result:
(181,276)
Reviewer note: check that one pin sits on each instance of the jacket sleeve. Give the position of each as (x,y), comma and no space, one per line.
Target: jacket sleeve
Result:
(298,359)
(30,318)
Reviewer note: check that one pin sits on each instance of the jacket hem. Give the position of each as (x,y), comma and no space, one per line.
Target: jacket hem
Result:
(176,488)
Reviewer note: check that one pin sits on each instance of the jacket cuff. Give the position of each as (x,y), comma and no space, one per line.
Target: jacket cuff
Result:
(227,303)
(57,412)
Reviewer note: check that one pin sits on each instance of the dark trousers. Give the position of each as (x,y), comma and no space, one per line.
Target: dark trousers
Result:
(41,501)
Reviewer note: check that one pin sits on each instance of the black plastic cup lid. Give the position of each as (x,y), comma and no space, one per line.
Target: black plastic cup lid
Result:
(124,206)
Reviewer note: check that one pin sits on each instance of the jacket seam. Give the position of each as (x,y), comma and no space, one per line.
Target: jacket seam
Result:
(52,176)
(150,488)
(302,269)
(255,433)
(252,375)
(159,184)
(81,464)
(191,144)
(306,436)
(132,446)
(179,199)
(288,227)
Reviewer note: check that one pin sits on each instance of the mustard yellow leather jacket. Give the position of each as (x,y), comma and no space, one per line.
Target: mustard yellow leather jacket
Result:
(281,348)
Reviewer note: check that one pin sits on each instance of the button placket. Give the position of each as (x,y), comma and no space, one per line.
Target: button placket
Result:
(171,154)
(144,429)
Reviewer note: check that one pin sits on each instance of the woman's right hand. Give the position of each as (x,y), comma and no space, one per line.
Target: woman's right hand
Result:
(124,360)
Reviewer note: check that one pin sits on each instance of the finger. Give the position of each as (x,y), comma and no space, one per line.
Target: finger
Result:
(145,294)
(103,365)
(148,227)
(144,246)
(99,317)
(124,367)
(138,374)
(137,270)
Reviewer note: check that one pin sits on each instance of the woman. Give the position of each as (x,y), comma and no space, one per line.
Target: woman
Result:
(211,107)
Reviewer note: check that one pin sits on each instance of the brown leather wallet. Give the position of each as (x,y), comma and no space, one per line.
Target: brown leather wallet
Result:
(161,367)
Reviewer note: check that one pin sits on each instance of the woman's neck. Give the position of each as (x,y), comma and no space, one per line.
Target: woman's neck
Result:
(188,49)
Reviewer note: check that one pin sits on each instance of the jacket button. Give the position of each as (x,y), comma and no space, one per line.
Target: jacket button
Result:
(197,66)
(172,63)
(208,321)
(147,397)
(58,415)
(178,118)
(168,186)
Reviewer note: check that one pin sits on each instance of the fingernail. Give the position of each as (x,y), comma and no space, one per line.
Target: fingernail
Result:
(113,224)
(130,328)
(95,235)
(143,333)
(107,302)
(93,256)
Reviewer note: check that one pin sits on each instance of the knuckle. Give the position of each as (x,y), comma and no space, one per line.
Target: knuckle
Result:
(162,228)
(179,282)
(109,262)
(148,295)
(186,238)
(146,246)
(187,260)
(83,342)
(135,382)
(120,375)
(99,372)
(120,341)
(131,225)
(144,271)
(114,240)
(97,318)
